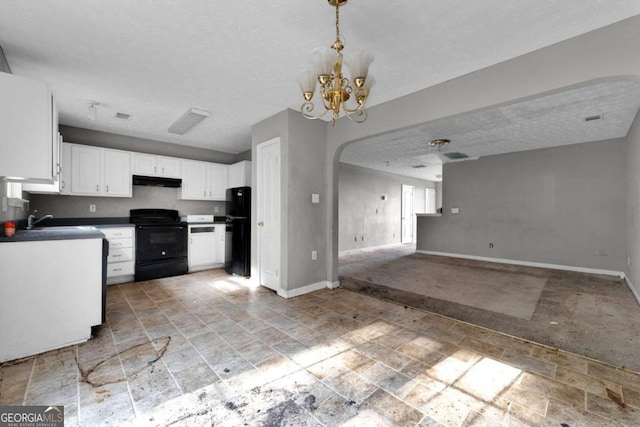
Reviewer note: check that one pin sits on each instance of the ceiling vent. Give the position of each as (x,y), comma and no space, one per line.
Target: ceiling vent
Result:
(419,166)
(455,156)
(123,116)
(192,117)
(592,118)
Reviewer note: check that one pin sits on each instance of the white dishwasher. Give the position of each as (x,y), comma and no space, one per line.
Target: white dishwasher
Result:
(206,243)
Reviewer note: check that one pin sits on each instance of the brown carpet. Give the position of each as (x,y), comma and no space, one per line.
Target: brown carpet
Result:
(592,315)
(513,294)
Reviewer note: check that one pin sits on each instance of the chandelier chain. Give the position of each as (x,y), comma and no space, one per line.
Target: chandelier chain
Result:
(337,21)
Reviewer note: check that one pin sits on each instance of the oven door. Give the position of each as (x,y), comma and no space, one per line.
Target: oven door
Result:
(160,241)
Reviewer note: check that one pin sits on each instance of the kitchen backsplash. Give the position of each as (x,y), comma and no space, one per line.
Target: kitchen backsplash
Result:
(143,197)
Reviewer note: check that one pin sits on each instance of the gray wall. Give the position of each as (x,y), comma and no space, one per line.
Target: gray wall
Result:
(303,145)
(362,212)
(606,53)
(143,197)
(632,269)
(563,206)
(140,145)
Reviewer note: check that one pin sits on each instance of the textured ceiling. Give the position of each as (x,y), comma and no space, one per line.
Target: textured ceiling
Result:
(154,59)
(546,121)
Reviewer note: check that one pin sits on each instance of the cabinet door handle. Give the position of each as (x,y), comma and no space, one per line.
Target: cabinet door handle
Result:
(117,269)
(116,256)
(155,169)
(162,170)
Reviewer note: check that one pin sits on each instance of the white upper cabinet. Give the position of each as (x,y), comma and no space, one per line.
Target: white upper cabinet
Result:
(100,172)
(29,126)
(194,180)
(151,165)
(86,170)
(239,174)
(116,173)
(203,181)
(57,164)
(217,181)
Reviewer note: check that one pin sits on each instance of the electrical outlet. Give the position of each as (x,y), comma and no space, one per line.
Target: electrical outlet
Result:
(92,208)
(314,255)
(491,245)
(216,209)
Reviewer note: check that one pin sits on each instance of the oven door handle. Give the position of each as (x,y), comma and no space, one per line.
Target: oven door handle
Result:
(163,226)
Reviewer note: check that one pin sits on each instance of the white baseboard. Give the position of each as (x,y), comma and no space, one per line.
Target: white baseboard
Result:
(307,289)
(389,245)
(633,290)
(529,263)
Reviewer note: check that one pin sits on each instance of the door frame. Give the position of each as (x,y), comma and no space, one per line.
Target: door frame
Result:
(403,214)
(259,195)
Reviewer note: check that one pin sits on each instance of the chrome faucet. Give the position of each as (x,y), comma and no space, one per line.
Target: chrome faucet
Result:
(32,217)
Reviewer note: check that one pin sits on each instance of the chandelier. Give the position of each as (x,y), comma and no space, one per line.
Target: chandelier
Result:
(335,89)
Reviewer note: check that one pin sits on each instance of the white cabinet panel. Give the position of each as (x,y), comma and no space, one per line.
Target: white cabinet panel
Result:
(57,167)
(169,167)
(144,164)
(202,251)
(217,181)
(206,246)
(239,174)
(194,180)
(99,172)
(86,170)
(203,181)
(29,125)
(152,165)
(220,245)
(117,173)
(120,263)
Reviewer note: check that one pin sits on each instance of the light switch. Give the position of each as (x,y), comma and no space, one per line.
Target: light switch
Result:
(455,210)
(315,198)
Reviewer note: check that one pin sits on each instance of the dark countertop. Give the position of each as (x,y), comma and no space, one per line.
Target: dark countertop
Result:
(54,233)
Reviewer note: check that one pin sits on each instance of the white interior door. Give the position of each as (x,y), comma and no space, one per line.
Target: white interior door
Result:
(268,213)
(430,200)
(407,214)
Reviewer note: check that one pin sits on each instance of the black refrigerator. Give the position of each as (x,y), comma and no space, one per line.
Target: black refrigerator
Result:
(238,238)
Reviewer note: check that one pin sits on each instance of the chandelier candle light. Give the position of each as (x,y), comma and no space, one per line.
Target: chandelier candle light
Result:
(336,89)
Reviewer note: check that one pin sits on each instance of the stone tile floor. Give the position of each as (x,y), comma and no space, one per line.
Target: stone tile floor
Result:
(207,349)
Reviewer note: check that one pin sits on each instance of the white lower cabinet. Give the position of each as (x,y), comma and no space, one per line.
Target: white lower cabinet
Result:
(206,246)
(121,260)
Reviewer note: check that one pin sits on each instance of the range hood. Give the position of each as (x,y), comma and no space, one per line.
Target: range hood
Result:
(156,181)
